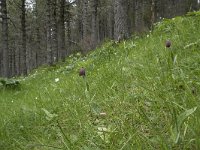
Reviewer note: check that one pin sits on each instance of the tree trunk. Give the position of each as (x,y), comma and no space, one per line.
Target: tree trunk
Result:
(85,40)
(121,25)
(61,30)
(48,28)
(152,12)
(131,19)
(94,34)
(5,49)
(68,27)
(54,31)
(39,56)
(139,21)
(23,53)
(110,20)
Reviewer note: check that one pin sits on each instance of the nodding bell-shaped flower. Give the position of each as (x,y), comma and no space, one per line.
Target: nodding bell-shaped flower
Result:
(82,72)
(168,44)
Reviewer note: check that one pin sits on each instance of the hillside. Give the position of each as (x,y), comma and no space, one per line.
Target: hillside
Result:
(137,94)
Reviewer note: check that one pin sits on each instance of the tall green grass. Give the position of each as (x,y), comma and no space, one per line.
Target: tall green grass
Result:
(137,94)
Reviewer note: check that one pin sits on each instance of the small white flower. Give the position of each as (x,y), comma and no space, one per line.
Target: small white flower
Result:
(102,114)
(36,97)
(102,129)
(57,79)
(12,101)
(147,35)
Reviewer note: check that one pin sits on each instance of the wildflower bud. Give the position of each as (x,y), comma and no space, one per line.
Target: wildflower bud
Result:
(82,72)
(168,44)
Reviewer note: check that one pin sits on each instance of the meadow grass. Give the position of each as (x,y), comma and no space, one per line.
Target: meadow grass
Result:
(137,94)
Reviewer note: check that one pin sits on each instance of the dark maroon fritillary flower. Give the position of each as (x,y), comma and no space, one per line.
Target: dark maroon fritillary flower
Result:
(82,72)
(168,44)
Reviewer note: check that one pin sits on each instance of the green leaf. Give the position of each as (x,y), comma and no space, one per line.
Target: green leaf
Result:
(184,115)
(49,116)
(180,120)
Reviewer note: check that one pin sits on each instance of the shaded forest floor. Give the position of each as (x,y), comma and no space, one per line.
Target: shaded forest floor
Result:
(137,94)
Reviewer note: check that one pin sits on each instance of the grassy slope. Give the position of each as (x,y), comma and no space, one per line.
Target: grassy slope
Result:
(150,102)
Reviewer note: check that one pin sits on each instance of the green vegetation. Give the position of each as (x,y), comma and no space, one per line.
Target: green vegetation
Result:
(137,94)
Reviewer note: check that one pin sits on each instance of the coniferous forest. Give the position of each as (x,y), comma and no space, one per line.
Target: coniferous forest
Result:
(43,32)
